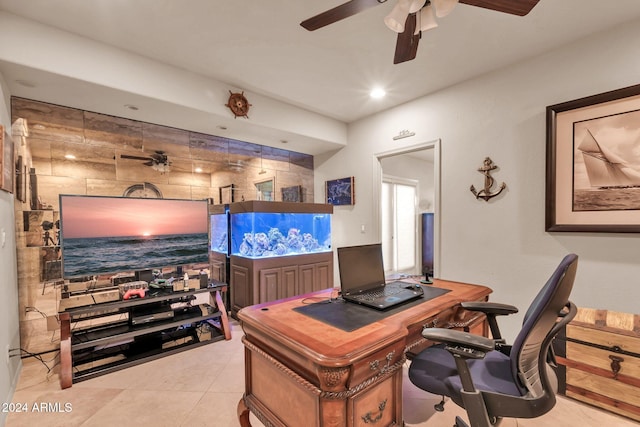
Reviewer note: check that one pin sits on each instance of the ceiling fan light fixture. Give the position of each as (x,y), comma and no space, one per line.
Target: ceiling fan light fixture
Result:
(161,167)
(444,7)
(426,20)
(396,19)
(416,5)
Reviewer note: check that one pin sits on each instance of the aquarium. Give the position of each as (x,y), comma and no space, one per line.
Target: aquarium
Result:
(269,234)
(220,233)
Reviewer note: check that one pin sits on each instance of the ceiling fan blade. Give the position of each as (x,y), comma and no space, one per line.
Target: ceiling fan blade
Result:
(338,13)
(407,42)
(126,156)
(513,7)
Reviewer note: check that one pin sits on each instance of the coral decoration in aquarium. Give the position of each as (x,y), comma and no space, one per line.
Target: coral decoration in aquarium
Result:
(219,233)
(262,235)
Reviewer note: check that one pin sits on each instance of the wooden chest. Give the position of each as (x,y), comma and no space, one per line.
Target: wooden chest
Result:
(600,361)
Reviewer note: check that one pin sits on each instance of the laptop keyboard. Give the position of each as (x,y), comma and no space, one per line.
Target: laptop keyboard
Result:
(387,291)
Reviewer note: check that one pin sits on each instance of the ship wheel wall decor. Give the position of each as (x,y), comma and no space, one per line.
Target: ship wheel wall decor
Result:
(238,104)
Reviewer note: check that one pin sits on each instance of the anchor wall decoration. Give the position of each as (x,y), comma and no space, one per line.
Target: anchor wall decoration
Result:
(486,193)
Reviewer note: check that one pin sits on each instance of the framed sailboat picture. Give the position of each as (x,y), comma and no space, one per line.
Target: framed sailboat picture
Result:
(593,163)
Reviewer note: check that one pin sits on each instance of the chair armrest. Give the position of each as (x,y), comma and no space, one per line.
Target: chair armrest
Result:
(491,310)
(486,307)
(464,339)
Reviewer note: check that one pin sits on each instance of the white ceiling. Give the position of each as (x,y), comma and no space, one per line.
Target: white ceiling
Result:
(259,46)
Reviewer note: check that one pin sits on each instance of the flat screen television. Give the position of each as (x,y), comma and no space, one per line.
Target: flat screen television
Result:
(105,235)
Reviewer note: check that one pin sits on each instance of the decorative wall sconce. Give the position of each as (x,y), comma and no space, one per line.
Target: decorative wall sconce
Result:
(403,134)
(486,193)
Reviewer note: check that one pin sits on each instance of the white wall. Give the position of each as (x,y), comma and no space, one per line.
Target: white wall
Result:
(9,329)
(502,243)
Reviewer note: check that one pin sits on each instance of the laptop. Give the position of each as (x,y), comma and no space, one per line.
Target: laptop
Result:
(363,282)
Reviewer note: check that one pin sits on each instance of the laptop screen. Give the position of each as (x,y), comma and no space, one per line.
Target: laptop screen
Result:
(361,268)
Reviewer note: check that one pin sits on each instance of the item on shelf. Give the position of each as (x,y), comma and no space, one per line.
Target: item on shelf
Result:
(150,314)
(89,299)
(132,293)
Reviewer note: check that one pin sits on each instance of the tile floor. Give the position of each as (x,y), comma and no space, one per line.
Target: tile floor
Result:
(202,386)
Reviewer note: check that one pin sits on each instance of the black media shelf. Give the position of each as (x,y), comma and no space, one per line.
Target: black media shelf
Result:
(116,342)
(122,330)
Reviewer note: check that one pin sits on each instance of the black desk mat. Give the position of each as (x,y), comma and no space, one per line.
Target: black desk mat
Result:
(350,316)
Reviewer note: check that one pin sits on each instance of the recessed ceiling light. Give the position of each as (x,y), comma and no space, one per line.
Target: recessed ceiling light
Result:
(377,93)
(198,170)
(131,107)
(69,156)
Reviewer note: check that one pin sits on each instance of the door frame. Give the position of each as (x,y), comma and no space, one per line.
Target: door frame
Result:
(377,184)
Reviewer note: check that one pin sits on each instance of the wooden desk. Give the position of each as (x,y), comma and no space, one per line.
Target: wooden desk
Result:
(303,372)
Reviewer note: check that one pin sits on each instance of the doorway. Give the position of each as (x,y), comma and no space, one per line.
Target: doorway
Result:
(417,167)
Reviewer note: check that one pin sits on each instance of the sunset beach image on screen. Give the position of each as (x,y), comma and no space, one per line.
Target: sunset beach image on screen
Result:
(103,235)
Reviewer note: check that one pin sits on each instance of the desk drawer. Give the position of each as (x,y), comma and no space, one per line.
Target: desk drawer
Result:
(452,318)
(377,405)
(377,363)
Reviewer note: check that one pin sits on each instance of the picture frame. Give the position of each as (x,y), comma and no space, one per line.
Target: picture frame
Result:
(340,191)
(292,194)
(7,166)
(226,194)
(21,180)
(592,171)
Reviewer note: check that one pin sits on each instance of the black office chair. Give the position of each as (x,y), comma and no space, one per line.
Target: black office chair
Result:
(493,380)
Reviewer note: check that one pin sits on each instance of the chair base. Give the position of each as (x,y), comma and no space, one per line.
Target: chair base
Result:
(460,423)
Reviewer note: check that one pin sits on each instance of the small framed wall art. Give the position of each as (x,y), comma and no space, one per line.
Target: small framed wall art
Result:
(7,165)
(292,194)
(340,191)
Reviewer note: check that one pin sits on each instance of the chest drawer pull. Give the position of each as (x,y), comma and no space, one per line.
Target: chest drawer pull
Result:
(369,417)
(615,365)
(375,364)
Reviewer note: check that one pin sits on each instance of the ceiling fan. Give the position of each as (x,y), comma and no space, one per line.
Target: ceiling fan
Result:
(409,18)
(157,160)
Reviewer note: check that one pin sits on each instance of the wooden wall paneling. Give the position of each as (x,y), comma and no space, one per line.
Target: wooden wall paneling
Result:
(175,142)
(199,193)
(97,141)
(50,188)
(50,121)
(176,191)
(114,132)
(101,187)
(86,169)
(209,147)
(275,158)
(304,161)
(40,150)
(244,153)
(135,170)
